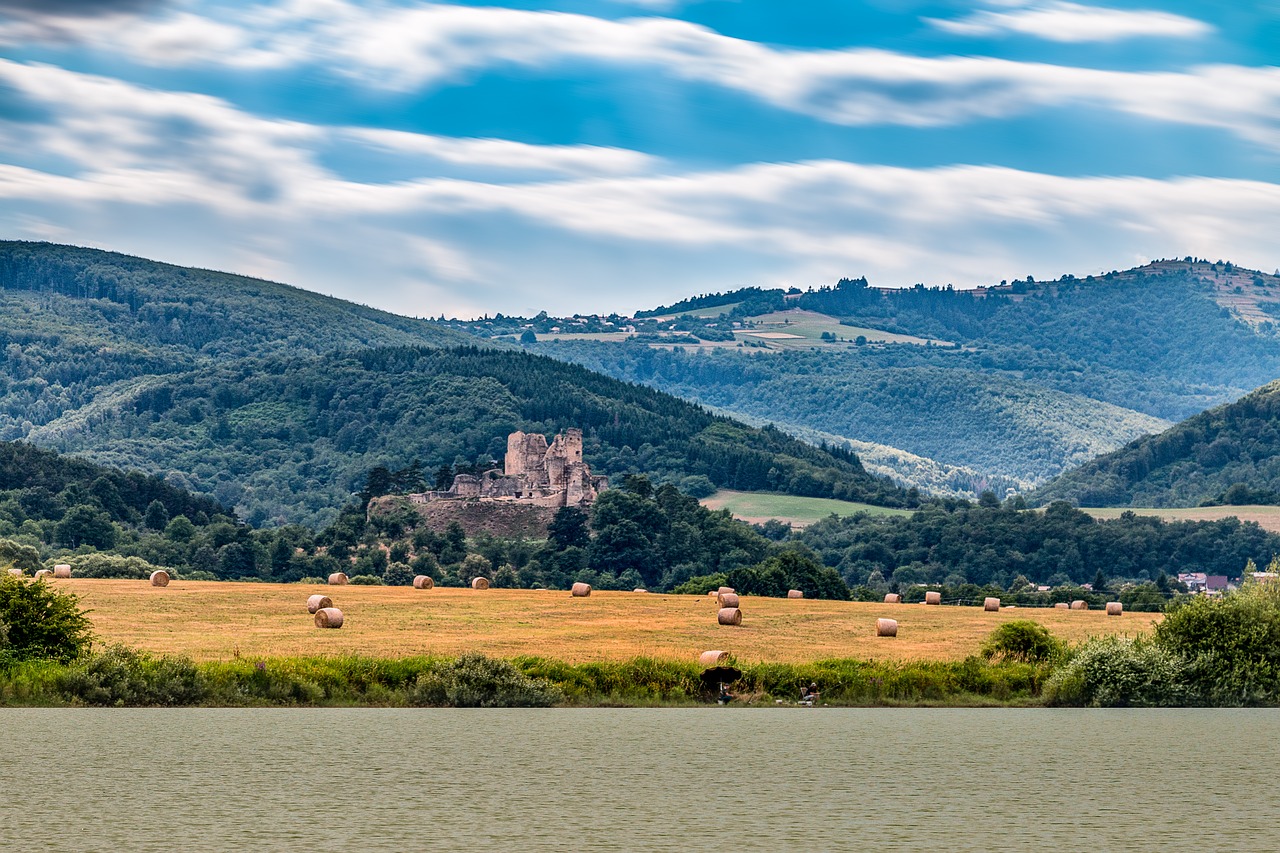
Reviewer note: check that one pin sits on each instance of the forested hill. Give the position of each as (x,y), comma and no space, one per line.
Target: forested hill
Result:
(291,439)
(1018,381)
(1230,454)
(81,327)
(179,309)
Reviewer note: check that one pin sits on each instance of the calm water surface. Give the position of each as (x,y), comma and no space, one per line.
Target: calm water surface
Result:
(715,779)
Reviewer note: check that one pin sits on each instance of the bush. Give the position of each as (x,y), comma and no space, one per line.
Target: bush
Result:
(113,566)
(475,681)
(1023,641)
(1115,672)
(365,580)
(398,574)
(19,556)
(1231,644)
(120,676)
(41,622)
(702,584)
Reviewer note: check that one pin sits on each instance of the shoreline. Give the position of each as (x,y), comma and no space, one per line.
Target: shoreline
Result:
(120,677)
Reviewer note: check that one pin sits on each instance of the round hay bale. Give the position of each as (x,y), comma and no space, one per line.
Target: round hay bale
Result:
(713,658)
(160,578)
(62,570)
(580,590)
(728,599)
(423,582)
(338,579)
(1115,608)
(639,589)
(729,616)
(1061,605)
(1079,604)
(886,627)
(328,617)
(318,602)
(479,583)
(42,573)
(991,605)
(892,598)
(932,597)
(712,594)
(794,593)
(725,590)
(17,573)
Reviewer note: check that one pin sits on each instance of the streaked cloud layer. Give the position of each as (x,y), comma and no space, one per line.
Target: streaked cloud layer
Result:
(433,158)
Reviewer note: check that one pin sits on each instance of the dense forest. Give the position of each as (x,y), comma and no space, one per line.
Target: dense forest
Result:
(290,439)
(1227,455)
(276,401)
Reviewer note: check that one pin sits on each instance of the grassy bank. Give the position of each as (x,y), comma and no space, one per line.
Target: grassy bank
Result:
(119,676)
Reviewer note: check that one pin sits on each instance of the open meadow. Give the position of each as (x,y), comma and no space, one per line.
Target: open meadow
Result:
(758,507)
(1267,517)
(208,620)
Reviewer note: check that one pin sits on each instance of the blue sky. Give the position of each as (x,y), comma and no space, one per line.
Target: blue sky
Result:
(598,155)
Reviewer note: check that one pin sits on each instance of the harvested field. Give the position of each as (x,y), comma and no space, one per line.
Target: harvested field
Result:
(217,621)
(1267,517)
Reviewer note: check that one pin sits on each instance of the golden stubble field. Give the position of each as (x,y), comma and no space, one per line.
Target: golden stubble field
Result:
(217,621)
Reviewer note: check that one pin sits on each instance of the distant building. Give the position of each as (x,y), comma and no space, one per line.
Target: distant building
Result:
(1215,583)
(1193,581)
(533,473)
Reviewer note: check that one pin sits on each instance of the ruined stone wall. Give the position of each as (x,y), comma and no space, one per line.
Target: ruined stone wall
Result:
(498,518)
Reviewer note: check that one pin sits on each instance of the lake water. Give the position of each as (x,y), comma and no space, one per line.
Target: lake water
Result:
(666,779)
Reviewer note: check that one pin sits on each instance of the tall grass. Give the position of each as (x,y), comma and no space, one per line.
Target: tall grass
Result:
(120,676)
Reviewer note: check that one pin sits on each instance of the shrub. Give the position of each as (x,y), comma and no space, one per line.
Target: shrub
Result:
(1231,644)
(113,566)
(1115,672)
(19,556)
(398,574)
(41,622)
(476,681)
(120,676)
(702,584)
(1023,641)
(366,580)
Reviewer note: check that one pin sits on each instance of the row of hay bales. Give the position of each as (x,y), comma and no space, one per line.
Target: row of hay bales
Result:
(992,605)
(328,616)
(419,581)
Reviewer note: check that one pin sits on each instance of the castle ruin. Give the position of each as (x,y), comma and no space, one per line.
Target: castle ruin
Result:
(533,473)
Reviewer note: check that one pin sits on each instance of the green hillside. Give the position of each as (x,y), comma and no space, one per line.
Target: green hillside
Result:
(1037,376)
(77,324)
(1229,454)
(278,401)
(1006,427)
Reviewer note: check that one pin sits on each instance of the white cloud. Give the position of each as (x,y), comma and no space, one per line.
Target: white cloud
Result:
(1072,22)
(428,45)
(190,179)
(505,154)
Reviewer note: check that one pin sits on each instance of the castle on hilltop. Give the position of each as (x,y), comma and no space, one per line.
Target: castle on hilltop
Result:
(534,473)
